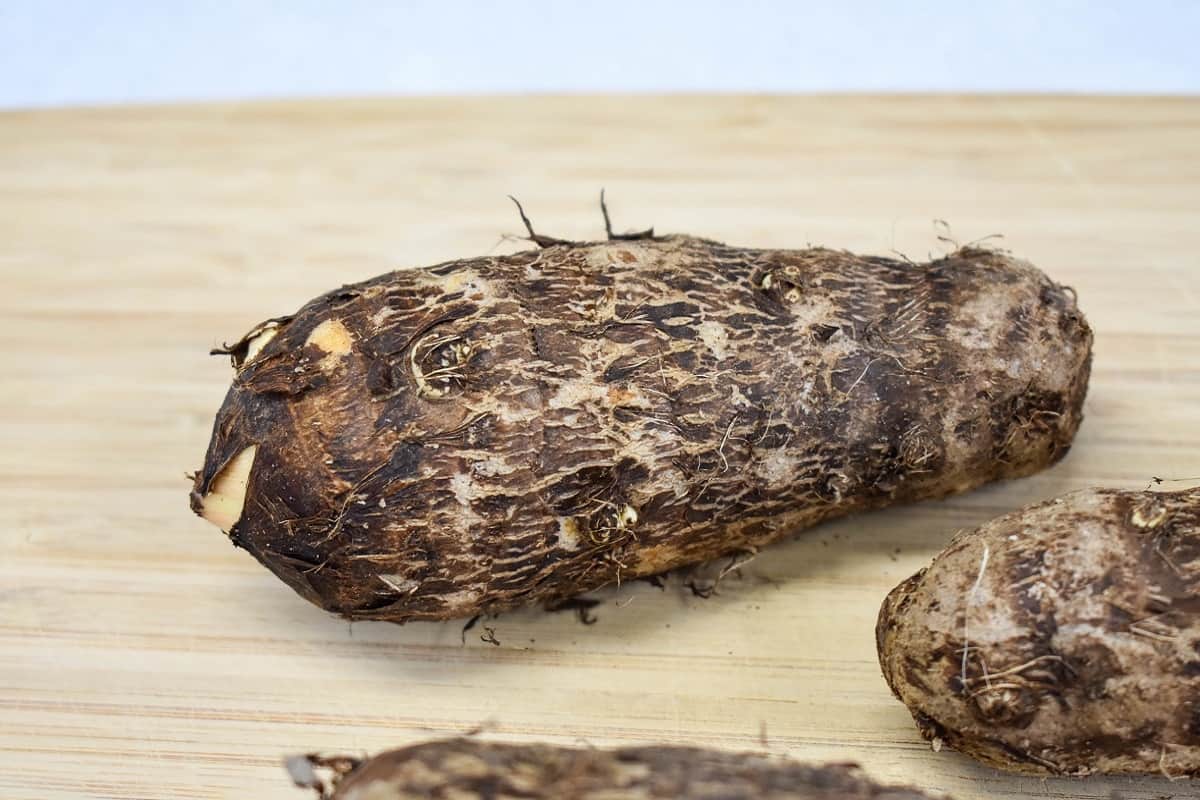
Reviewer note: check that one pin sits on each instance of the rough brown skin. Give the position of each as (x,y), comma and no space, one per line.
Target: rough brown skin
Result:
(494,432)
(466,768)
(1087,618)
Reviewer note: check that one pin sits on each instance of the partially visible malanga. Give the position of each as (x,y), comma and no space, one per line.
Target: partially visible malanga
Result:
(468,769)
(1060,639)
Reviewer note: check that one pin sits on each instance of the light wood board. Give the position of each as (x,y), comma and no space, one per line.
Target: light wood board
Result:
(143,656)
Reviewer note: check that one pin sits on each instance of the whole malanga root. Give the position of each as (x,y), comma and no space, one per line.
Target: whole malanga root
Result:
(466,768)
(493,432)
(1061,639)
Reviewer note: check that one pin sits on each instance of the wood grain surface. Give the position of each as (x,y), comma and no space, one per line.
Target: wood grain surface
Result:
(143,656)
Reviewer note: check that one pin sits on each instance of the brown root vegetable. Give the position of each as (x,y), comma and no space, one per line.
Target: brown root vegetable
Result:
(1061,639)
(487,433)
(467,768)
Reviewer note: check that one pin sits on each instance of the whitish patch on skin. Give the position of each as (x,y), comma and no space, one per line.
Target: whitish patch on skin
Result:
(815,310)
(399,583)
(778,468)
(568,533)
(332,337)
(606,257)
(463,488)
(838,348)
(575,393)
(491,467)
(653,442)
(806,396)
(465,491)
(380,317)
(977,322)
(469,282)
(456,280)
(222,506)
(511,414)
(714,337)
(989,618)
(738,398)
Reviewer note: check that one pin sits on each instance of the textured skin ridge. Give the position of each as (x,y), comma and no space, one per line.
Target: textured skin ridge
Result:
(523,428)
(1082,627)
(466,769)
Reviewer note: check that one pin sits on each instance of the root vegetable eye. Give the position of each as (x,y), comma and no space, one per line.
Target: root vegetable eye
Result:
(222,506)
(439,363)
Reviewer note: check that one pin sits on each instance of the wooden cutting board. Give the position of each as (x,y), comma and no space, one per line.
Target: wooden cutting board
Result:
(143,656)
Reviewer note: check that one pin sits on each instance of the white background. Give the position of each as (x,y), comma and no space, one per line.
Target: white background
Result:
(56,53)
